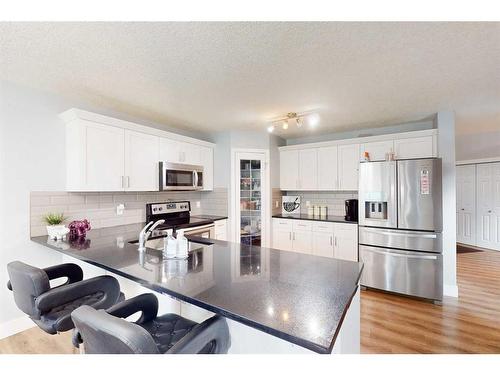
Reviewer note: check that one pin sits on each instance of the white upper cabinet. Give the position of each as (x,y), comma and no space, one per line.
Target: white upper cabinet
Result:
(328,168)
(141,161)
(289,170)
(308,169)
(207,160)
(414,148)
(334,165)
(348,167)
(170,150)
(95,157)
(107,154)
(377,151)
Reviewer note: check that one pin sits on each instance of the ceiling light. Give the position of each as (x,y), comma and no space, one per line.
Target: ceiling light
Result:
(294,119)
(313,120)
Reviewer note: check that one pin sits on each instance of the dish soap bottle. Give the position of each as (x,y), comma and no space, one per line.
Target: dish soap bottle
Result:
(169,245)
(182,245)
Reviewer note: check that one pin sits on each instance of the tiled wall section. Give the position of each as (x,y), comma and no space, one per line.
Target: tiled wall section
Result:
(334,200)
(276,198)
(100,208)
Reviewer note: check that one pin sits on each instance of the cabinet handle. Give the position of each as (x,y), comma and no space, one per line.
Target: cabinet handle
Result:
(335,241)
(489,211)
(331,241)
(128,181)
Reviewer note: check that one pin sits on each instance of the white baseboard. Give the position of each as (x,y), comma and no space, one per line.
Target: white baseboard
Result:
(15,326)
(450,290)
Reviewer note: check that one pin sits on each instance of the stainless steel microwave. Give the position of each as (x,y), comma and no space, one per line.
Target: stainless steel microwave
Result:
(174,176)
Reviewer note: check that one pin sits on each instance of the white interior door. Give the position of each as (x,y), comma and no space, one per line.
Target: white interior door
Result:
(466,204)
(488,205)
(251,197)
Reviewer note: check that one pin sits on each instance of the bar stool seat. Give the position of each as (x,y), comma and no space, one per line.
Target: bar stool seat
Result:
(106,332)
(51,308)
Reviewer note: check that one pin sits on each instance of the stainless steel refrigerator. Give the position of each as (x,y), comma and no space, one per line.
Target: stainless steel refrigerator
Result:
(400,218)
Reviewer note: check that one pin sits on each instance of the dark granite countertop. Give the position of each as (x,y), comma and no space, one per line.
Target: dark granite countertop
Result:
(299,298)
(330,218)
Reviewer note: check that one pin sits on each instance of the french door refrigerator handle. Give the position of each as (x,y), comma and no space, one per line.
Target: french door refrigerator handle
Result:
(398,234)
(433,257)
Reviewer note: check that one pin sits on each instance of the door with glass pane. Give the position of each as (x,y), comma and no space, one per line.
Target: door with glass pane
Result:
(252,198)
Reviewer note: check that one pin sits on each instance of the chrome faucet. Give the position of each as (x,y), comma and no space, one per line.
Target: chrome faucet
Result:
(146,232)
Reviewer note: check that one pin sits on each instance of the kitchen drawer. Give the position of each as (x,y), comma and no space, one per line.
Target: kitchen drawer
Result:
(220,223)
(302,225)
(322,226)
(282,224)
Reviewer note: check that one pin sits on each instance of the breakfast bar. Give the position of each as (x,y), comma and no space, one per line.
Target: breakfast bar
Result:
(274,301)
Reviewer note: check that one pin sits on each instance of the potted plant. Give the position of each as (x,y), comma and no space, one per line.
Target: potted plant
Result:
(55,228)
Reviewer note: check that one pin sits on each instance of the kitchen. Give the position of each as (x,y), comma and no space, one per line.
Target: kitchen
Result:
(273,215)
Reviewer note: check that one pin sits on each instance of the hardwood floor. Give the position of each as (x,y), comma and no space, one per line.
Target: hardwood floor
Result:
(389,323)
(468,324)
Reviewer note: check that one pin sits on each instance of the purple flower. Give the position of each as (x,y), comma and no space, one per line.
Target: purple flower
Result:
(79,228)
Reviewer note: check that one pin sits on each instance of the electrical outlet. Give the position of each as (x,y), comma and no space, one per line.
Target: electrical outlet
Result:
(277,204)
(308,203)
(120,208)
(198,204)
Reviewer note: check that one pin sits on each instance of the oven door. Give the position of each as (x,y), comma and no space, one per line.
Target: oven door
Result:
(205,231)
(180,176)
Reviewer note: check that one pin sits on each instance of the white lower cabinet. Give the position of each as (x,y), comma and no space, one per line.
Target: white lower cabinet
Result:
(323,244)
(345,241)
(302,241)
(221,230)
(321,238)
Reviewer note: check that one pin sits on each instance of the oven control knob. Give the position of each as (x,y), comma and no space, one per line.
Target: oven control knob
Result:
(160,209)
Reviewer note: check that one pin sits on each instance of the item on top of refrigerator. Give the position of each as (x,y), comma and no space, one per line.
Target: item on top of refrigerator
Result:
(366,156)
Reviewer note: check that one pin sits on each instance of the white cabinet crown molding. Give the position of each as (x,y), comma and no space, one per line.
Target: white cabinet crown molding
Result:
(75,114)
(360,140)
(478,161)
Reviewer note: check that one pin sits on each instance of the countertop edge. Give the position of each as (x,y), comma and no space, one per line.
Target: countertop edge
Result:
(334,219)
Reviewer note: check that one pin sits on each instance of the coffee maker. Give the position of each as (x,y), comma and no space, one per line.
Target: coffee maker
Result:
(351,210)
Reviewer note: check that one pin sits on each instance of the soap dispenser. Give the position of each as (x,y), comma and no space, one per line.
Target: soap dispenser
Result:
(182,245)
(169,245)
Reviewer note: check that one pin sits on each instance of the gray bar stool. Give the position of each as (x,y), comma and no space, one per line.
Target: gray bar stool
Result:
(51,308)
(105,332)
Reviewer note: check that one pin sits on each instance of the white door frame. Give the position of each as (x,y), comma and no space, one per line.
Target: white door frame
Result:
(265,186)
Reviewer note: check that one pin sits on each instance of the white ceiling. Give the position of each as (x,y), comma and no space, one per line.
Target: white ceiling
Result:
(217,76)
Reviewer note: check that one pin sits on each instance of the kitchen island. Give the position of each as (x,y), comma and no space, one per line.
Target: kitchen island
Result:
(275,301)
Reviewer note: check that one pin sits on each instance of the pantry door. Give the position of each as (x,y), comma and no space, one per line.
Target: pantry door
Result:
(250,197)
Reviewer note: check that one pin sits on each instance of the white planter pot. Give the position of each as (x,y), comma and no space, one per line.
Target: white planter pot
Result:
(57,232)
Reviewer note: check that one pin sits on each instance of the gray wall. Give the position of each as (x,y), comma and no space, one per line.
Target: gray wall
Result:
(478,145)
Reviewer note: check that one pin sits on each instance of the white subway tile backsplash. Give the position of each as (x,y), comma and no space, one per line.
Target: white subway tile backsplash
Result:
(100,208)
(335,201)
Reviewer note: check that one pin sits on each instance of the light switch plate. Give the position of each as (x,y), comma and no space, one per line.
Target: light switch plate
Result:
(308,203)
(198,204)
(120,208)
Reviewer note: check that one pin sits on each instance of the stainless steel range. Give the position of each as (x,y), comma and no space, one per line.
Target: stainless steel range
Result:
(177,215)
(400,218)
